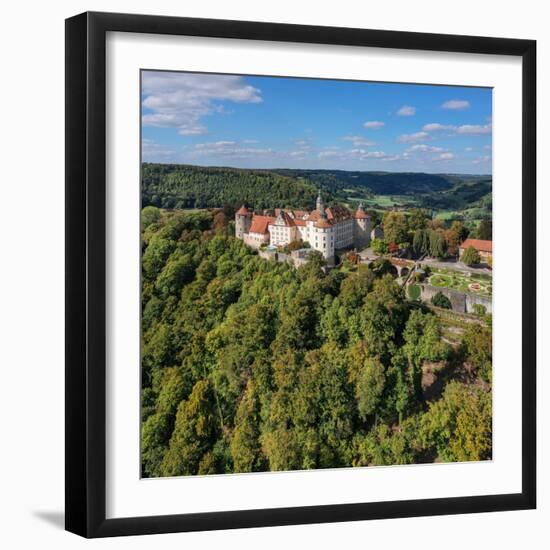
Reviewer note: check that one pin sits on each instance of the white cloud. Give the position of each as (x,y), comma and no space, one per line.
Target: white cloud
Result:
(359,141)
(232,150)
(214,145)
(446,156)
(411,138)
(407,110)
(391,158)
(482,160)
(355,154)
(456,104)
(181,100)
(423,148)
(330,154)
(361,153)
(155,152)
(302,144)
(468,149)
(436,127)
(373,124)
(474,129)
(469,129)
(488,147)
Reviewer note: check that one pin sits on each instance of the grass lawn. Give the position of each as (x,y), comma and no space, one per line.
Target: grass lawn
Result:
(413,292)
(446,215)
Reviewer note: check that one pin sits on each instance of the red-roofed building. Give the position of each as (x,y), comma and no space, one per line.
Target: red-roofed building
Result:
(325,229)
(484,248)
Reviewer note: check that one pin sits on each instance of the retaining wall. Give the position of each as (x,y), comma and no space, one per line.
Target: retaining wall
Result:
(460,301)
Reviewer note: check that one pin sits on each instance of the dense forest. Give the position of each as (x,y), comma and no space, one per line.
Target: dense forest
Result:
(183,186)
(380,183)
(187,187)
(250,365)
(462,195)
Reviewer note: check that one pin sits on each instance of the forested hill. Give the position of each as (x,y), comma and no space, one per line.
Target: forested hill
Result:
(380,183)
(185,186)
(250,365)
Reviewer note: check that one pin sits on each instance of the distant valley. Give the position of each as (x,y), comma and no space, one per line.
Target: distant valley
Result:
(448,196)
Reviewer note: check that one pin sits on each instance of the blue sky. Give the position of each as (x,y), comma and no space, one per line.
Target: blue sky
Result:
(274,122)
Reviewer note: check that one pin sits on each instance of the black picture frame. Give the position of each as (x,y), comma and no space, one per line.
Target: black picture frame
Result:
(86,276)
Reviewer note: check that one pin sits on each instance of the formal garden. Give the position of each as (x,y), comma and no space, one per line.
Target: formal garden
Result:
(475,283)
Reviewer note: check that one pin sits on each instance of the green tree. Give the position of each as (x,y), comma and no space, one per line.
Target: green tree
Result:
(417,219)
(195,432)
(470,256)
(395,227)
(485,230)
(421,242)
(379,246)
(460,232)
(245,443)
(149,215)
(368,376)
(158,427)
(459,426)
(422,337)
(176,272)
(477,343)
(437,244)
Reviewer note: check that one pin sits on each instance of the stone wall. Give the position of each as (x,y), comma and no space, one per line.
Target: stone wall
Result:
(461,301)
(472,299)
(274,255)
(266,254)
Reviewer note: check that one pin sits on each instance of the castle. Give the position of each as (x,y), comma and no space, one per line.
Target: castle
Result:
(325,229)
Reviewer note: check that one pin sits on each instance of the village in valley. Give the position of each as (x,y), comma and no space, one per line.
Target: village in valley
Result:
(435,264)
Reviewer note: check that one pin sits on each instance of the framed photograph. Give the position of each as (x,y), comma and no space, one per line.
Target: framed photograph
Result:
(300,274)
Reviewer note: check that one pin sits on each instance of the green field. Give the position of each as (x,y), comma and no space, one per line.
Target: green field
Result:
(382,202)
(446,215)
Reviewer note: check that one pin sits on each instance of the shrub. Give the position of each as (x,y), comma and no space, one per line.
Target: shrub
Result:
(379,246)
(480,310)
(440,300)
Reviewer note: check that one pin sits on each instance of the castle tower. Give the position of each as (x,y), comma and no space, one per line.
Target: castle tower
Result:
(361,228)
(243,219)
(320,204)
(324,238)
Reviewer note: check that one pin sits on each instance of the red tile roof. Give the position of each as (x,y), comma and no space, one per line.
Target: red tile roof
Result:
(314,216)
(323,223)
(338,213)
(287,220)
(260,223)
(242,211)
(479,244)
(360,214)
